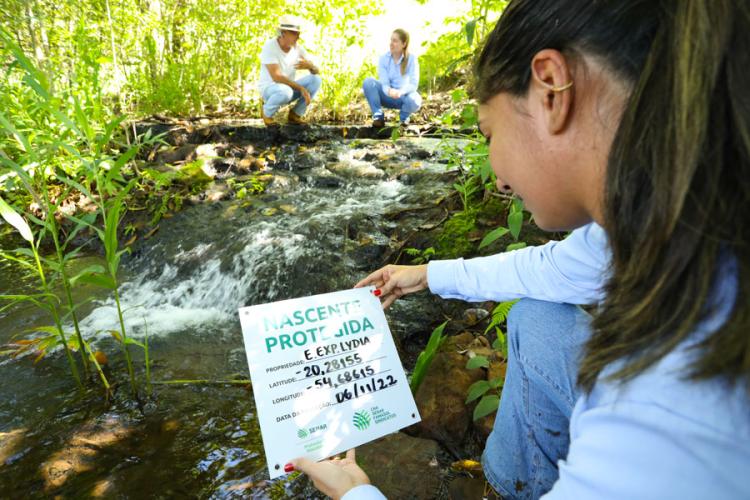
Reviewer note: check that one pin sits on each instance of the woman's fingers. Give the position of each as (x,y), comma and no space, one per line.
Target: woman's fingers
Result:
(375,278)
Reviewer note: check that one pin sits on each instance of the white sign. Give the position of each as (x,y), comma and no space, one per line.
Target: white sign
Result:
(326,375)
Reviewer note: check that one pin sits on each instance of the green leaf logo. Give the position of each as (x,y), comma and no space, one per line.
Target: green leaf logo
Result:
(361,420)
(302,433)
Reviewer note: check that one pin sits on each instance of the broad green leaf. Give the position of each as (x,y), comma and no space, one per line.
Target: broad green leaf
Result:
(497,383)
(436,338)
(515,246)
(15,220)
(470,29)
(493,236)
(134,342)
(100,280)
(52,330)
(121,161)
(499,343)
(477,362)
(93,269)
(515,221)
(488,404)
(20,138)
(477,389)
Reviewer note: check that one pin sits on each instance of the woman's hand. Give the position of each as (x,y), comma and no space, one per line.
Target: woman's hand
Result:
(394,93)
(333,477)
(394,281)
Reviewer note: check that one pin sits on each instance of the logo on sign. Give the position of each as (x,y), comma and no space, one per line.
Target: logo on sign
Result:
(361,420)
(302,433)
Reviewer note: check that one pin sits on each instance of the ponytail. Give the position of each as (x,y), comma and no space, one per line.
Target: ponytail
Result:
(677,195)
(403,35)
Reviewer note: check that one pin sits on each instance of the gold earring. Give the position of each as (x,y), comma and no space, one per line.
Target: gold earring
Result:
(552,87)
(561,88)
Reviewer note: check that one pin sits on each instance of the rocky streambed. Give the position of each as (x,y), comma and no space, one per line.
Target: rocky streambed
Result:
(260,216)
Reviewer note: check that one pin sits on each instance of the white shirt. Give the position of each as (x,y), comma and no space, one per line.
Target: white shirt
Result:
(656,436)
(571,271)
(272,54)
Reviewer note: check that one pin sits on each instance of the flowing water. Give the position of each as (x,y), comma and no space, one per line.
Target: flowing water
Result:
(319,227)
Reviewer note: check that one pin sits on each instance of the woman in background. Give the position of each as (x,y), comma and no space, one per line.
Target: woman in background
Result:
(396,86)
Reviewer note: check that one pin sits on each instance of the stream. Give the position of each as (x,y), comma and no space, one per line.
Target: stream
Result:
(334,211)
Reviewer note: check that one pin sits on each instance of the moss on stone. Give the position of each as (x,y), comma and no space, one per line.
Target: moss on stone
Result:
(454,241)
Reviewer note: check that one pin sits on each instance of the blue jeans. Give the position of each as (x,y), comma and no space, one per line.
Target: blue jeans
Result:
(377,99)
(280,94)
(531,427)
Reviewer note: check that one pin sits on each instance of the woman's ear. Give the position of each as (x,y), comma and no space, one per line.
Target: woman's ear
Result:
(552,86)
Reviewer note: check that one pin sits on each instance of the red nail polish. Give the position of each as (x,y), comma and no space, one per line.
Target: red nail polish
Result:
(288,468)
(377,292)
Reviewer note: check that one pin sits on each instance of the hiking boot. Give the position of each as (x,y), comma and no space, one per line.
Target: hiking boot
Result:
(267,121)
(378,123)
(294,118)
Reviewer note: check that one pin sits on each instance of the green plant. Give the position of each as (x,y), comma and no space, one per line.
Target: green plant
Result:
(55,154)
(515,223)
(489,390)
(420,256)
(425,357)
(45,299)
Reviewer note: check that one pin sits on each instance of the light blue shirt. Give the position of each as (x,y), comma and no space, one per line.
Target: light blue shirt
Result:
(657,436)
(389,73)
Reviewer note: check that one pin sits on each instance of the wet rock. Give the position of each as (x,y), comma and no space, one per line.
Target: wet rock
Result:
(282,183)
(207,151)
(327,181)
(402,467)
(194,174)
(406,179)
(269,198)
(245,165)
(310,160)
(420,154)
(368,256)
(217,192)
(474,315)
(364,170)
(442,395)
(225,167)
(178,154)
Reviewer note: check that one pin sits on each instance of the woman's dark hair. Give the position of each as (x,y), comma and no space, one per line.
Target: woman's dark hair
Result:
(403,35)
(677,192)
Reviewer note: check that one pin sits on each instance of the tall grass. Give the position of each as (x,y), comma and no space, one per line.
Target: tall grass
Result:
(52,152)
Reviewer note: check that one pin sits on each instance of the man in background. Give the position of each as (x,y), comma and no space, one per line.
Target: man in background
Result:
(280,59)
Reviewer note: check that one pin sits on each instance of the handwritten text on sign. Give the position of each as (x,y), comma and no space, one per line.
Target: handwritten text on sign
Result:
(326,375)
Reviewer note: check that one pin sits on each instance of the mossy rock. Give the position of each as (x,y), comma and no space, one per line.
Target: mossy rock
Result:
(453,241)
(192,175)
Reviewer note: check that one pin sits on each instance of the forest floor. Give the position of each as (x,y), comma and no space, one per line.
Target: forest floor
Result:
(434,106)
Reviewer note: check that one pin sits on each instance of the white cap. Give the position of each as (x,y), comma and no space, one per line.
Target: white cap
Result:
(290,23)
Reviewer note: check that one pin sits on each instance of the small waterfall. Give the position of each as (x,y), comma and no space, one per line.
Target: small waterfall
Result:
(209,260)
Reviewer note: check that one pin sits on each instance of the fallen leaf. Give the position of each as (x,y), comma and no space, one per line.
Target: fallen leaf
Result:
(151,233)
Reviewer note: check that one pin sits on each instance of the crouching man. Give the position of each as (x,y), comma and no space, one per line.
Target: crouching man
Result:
(280,59)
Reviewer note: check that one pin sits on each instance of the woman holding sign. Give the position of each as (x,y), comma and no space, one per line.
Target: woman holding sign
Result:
(628,123)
